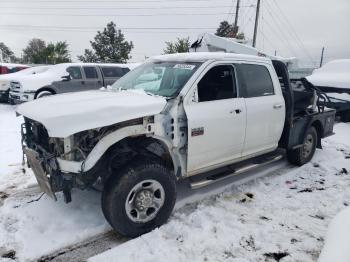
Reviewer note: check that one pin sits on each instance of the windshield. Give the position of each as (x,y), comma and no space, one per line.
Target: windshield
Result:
(159,78)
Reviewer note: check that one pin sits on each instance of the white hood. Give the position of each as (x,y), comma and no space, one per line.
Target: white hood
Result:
(67,114)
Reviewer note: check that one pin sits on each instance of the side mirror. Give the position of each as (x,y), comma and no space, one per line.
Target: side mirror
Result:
(66,78)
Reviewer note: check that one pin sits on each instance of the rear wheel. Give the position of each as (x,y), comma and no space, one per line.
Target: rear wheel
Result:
(304,154)
(140,198)
(44,93)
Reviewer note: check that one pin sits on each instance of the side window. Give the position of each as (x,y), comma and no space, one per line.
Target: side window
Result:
(112,72)
(257,80)
(74,72)
(90,72)
(218,83)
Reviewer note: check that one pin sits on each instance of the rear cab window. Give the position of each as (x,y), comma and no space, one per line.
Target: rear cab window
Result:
(255,81)
(114,72)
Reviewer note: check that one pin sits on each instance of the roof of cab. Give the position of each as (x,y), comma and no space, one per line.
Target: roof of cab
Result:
(204,56)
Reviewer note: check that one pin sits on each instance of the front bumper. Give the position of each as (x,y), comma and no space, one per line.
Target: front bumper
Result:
(38,166)
(19,97)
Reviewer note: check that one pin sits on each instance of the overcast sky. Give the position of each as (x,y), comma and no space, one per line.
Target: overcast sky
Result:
(291,27)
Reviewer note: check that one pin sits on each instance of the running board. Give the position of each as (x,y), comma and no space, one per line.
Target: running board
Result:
(212,179)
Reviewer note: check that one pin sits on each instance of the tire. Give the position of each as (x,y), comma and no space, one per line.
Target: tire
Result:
(43,94)
(139,198)
(304,154)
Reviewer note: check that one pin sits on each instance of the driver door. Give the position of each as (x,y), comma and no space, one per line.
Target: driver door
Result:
(74,84)
(216,120)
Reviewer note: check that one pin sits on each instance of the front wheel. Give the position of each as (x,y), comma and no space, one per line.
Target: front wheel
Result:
(304,154)
(43,94)
(140,198)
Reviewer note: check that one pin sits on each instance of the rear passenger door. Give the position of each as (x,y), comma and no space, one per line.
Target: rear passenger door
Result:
(91,78)
(265,108)
(112,73)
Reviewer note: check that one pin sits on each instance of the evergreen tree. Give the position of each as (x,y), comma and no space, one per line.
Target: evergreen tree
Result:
(35,51)
(181,45)
(109,46)
(6,53)
(225,29)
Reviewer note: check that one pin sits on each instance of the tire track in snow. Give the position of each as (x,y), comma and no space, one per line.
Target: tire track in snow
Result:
(187,201)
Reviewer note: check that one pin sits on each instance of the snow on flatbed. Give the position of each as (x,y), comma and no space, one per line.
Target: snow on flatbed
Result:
(283,214)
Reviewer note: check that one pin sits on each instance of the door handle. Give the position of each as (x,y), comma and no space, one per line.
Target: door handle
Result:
(237,111)
(278,106)
(83,82)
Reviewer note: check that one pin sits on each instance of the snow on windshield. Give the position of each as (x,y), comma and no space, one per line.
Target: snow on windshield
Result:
(159,78)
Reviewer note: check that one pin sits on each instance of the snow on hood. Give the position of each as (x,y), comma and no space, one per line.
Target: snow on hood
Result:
(333,74)
(5,79)
(67,114)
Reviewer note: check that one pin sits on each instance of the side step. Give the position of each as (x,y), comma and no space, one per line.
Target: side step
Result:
(218,177)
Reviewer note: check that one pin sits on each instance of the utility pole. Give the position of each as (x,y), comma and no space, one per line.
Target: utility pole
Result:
(275,52)
(236,19)
(322,56)
(256,22)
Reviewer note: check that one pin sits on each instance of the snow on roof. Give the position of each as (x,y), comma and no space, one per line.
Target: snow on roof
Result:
(12,65)
(333,74)
(204,56)
(27,71)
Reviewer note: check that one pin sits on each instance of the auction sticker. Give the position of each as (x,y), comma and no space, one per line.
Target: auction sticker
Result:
(184,66)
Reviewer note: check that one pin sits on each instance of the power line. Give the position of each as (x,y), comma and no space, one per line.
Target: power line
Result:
(99,28)
(94,31)
(120,15)
(123,8)
(301,44)
(282,33)
(102,1)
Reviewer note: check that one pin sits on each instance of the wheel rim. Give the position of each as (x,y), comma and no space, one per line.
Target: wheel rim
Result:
(144,201)
(308,145)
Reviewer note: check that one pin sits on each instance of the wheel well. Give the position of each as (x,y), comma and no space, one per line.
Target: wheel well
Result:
(127,149)
(319,129)
(44,89)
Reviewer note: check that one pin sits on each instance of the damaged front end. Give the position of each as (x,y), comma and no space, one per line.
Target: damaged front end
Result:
(49,157)
(41,153)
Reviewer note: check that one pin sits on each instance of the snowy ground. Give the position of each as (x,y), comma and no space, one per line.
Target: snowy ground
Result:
(277,212)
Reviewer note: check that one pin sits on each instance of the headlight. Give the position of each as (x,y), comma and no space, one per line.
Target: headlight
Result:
(4,85)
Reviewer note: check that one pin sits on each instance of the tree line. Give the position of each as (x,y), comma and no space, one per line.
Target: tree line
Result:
(108,46)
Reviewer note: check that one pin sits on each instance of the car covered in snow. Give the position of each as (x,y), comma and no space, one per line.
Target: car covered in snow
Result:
(9,68)
(196,116)
(6,79)
(333,76)
(66,77)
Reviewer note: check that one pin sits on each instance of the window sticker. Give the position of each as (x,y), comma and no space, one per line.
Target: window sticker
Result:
(184,66)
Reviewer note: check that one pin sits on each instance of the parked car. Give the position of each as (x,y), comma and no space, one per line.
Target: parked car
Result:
(8,68)
(66,77)
(200,116)
(6,79)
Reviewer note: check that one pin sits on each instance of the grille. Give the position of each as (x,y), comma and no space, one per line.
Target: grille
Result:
(36,134)
(15,86)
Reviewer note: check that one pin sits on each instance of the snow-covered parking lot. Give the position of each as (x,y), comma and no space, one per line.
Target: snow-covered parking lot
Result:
(277,213)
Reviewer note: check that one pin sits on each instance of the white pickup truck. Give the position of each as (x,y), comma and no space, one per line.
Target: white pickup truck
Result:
(195,116)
